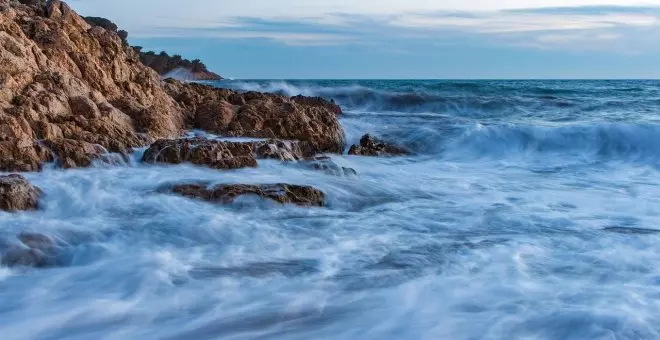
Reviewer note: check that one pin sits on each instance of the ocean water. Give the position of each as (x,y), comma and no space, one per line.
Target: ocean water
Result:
(528,210)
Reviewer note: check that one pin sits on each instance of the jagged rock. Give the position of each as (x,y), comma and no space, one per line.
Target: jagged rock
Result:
(69,90)
(313,121)
(227,193)
(35,250)
(60,78)
(371,146)
(16,194)
(214,154)
(327,165)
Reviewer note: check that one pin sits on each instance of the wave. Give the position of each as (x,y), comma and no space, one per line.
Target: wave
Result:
(403,98)
(598,141)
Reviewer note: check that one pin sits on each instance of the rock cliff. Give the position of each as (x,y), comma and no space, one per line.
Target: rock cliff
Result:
(71,92)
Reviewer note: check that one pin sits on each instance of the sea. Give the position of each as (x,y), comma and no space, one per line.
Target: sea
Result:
(527,210)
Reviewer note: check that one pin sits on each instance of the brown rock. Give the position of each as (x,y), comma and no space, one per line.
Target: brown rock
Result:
(281,193)
(214,154)
(283,150)
(70,153)
(312,121)
(16,194)
(327,165)
(61,78)
(371,146)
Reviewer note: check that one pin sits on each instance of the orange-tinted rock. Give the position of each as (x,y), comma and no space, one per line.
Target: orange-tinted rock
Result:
(312,121)
(60,78)
(371,146)
(281,193)
(17,194)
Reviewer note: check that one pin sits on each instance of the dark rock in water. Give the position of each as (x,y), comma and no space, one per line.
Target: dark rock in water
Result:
(327,165)
(16,194)
(283,150)
(214,154)
(372,146)
(35,250)
(227,193)
(289,268)
(632,231)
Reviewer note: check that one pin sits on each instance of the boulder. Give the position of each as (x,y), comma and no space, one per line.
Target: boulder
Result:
(210,153)
(227,193)
(327,165)
(17,194)
(372,146)
(34,250)
(312,121)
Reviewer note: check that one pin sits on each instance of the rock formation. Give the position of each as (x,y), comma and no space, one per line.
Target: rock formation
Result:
(34,250)
(71,91)
(65,85)
(16,194)
(214,154)
(252,114)
(281,193)
(371,146)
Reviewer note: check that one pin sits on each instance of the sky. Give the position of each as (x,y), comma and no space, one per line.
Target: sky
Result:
(392,39)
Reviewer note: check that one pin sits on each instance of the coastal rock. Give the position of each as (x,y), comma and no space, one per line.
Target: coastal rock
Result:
(312,121)
(17,194)
(62,79)
(327,165)
(371,146)
(35,250)
(283,150)
(227,193)
(211,153)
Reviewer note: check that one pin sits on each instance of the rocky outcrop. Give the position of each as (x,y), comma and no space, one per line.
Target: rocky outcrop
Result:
(62,80)
(71,91)
(372,146)
(227,193)
(219,154)
(214,154)
(312,121)
(34,250)
(17,194)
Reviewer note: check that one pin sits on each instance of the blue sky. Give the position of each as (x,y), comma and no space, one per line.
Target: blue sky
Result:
(288,39)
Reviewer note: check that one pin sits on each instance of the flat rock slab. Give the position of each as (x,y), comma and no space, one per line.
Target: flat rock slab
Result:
(17,194)
(374,147)
(227,193)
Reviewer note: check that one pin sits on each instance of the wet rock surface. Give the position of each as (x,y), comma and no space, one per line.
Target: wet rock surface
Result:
(33,250)
(372,146)
(327,165)
(69,90)
(17,194)
(211,153)
(227,193)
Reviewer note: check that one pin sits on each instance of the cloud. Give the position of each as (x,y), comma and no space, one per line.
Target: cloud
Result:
(575,25)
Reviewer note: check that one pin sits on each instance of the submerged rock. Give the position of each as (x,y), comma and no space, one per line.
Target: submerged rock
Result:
(327,165)
(17,194)
(35,250)
(211,153)
(227,193)
(372,146)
